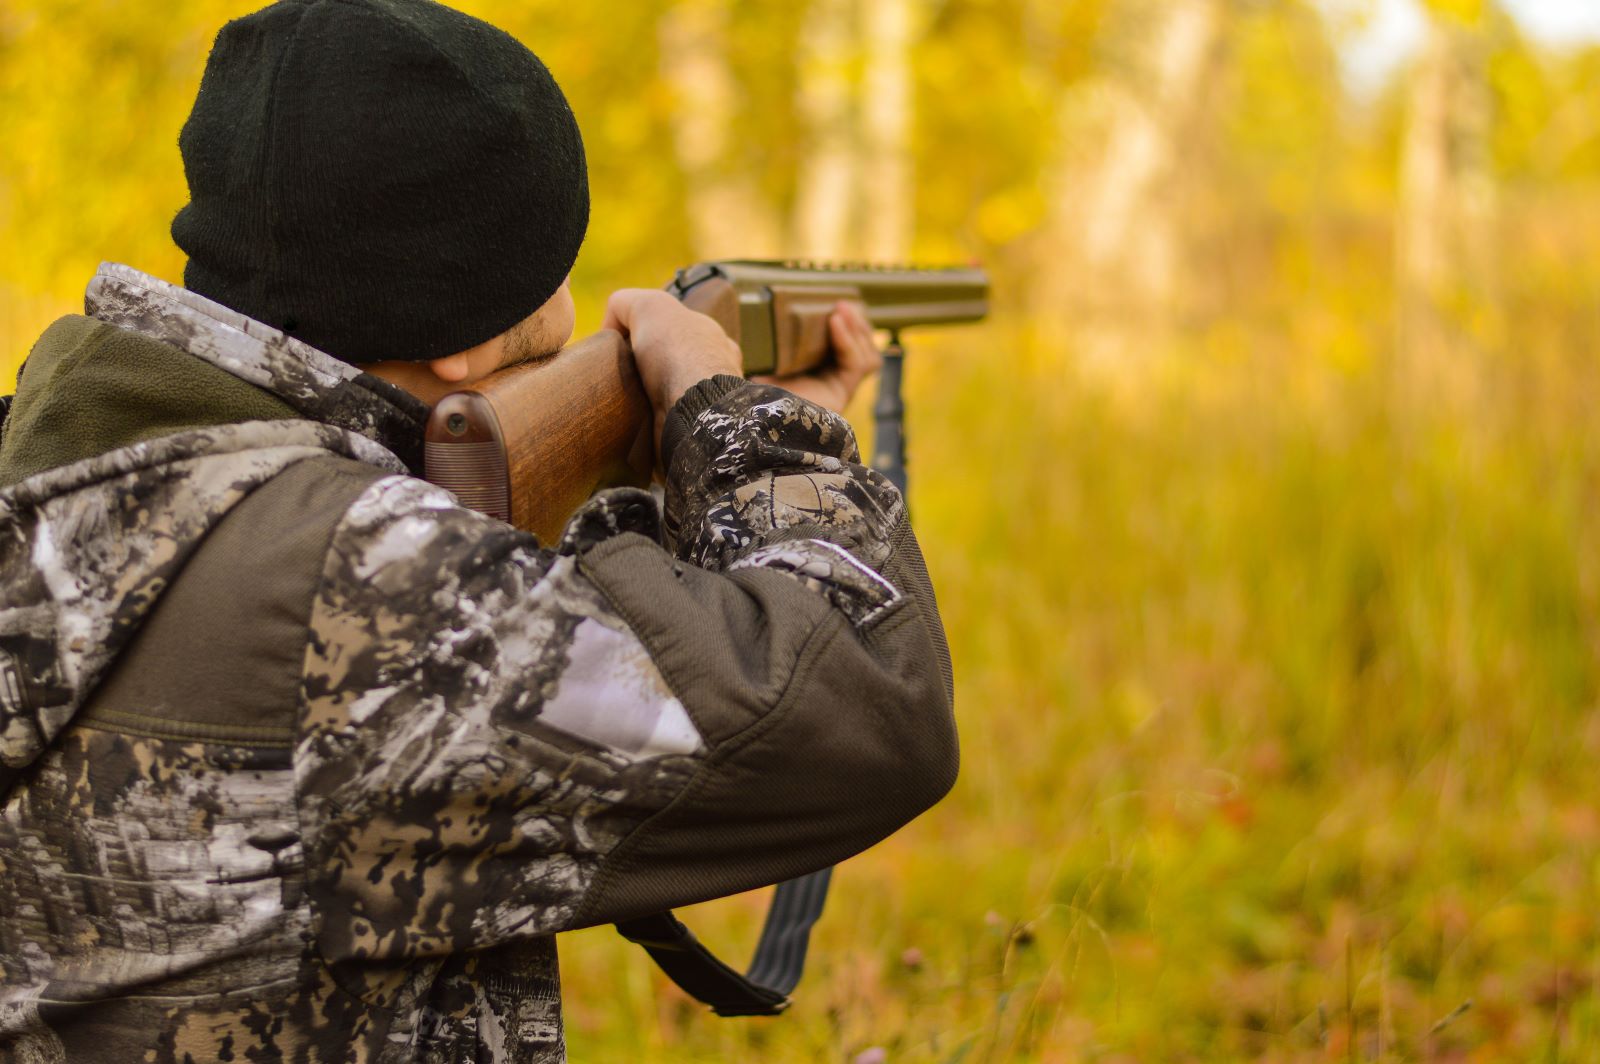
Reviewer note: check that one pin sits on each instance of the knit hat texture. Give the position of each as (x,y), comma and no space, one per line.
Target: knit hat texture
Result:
(383,179)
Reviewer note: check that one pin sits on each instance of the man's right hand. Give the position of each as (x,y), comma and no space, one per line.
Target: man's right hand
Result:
(674,347)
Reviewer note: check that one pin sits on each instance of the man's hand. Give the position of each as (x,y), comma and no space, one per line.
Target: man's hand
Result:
(674,347)
(856,357)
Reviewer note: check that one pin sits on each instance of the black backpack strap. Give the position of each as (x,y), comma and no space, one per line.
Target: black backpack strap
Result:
(774,972)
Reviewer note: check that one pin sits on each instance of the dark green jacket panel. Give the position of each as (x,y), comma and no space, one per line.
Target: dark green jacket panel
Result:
(220,658)
(825,737)
(88,388)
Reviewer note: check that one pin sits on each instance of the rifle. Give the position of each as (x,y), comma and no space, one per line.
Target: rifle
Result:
(528,444)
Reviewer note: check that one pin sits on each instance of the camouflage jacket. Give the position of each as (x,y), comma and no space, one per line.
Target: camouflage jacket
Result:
(301,760)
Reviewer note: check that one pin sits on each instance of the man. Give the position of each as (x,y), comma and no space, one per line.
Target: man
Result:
(300,760)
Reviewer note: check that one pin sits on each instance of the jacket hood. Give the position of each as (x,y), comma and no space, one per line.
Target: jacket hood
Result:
(86,549)
(316,385)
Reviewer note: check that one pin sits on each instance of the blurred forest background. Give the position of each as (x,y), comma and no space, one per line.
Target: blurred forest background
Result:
(1263,511)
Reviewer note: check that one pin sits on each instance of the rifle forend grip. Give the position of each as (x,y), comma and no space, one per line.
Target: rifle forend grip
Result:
(528,444)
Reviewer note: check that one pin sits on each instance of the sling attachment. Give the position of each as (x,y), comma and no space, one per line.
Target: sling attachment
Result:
(775,970)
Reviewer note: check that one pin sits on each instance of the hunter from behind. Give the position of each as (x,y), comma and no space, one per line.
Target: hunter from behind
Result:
(302,759)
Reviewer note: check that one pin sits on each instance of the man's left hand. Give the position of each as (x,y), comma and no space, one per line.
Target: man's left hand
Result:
(856,357)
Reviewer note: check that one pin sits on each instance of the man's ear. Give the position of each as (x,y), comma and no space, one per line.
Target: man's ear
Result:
(451,368)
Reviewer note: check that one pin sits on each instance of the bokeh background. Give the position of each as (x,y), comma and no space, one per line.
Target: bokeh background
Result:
(1262,511)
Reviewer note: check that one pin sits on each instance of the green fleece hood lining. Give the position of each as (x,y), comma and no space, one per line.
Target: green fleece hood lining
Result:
(88,388)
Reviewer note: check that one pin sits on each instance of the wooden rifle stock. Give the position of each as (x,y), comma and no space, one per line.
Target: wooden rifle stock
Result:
(528,444)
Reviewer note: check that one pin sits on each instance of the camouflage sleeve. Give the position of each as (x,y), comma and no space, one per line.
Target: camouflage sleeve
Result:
(501,741)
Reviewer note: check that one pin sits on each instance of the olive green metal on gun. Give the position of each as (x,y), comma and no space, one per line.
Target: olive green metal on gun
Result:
(777,312)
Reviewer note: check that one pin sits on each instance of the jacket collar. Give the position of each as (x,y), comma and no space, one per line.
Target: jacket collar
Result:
(317,385)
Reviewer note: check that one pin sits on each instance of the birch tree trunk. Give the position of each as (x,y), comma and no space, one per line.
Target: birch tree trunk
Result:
(728,215)
(888,196)
(1444,230)
(824,215)
(1115,258)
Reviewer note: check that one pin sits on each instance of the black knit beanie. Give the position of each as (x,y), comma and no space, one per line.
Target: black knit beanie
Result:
(383,179)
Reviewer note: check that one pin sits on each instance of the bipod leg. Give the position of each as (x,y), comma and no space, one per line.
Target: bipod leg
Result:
(889,416)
